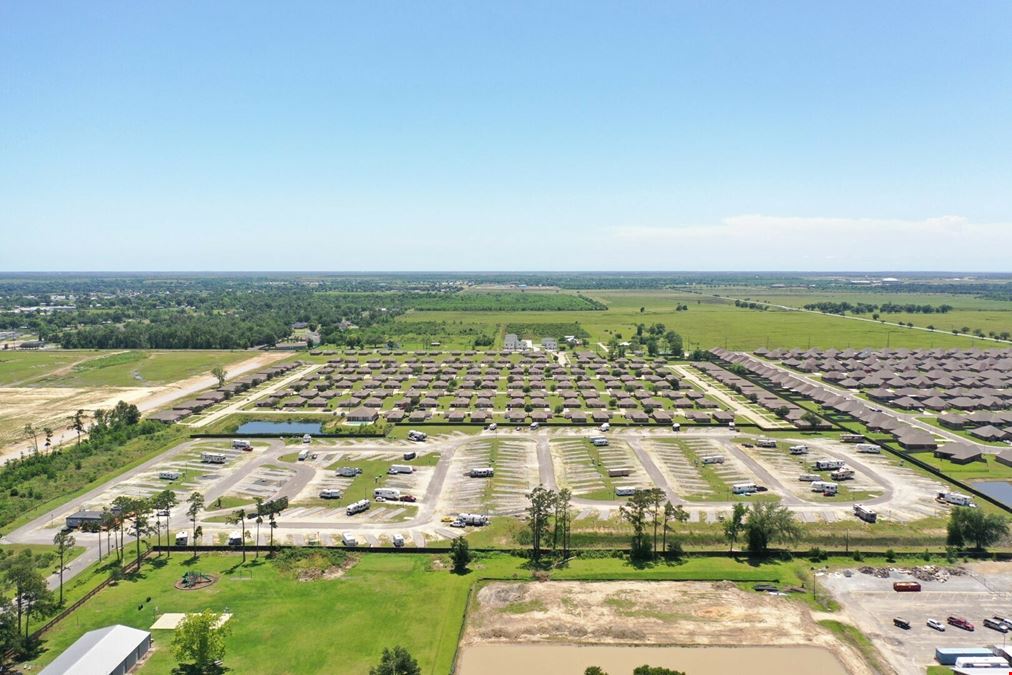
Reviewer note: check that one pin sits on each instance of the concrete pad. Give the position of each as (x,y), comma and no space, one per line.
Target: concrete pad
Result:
(170,620)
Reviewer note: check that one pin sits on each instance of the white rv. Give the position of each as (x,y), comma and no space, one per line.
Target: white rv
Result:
(400,468)
(240,444)
(182,538)
(358,507)
(213,458)
(799,449)
(825,487)
(303,454)
(843,473)
(473,519)
(809,477)
(348,471)
(829,464)
(397,540)
(482,472)
(625,491)
(390,494)
(713,459)
(869,448)
(956,499)
(766,443)
(348,539)
(330,494)
(605,427)
(744,488)
(599,441)
(306,438)
(169,475)
(417,436)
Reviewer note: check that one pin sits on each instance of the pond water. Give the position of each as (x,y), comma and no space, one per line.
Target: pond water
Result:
(997,489)
(497,659)
(263,427)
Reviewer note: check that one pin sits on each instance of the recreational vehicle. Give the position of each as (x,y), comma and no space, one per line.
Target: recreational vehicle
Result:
(235,539)
(865,514)
(397,540)
(799,449)
(713,459)
(303,454)
(625,491)
(348,539)
(348,471)
(482,472)
(599,441)
(809,477)
(417,436)
(239,444)
(391,494)
(828,464)
(213,458)
(766,443)
(956,499)
(358,507)
(744,488)
(869,448)
(169,475)
(400,468)
(182,538)
(330,494)
(476,519)
(843,473)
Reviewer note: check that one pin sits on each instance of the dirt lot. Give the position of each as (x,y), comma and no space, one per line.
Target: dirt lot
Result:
(646,613)
(870,603)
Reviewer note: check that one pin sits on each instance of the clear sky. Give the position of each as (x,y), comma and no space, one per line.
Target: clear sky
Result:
(865,135)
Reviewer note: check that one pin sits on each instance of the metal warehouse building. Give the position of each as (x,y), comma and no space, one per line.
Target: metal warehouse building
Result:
(112,650)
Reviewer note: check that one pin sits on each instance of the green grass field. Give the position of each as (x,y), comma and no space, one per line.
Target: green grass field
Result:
(708,322)
(142,368)
(17,368)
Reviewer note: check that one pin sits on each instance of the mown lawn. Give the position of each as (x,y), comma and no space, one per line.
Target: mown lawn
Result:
(142,368)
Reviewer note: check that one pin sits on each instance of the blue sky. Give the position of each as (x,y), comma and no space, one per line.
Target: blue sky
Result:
(518,136)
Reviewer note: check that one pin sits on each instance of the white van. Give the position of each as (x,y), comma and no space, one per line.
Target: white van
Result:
(348,539)
(676,427)
(397,540)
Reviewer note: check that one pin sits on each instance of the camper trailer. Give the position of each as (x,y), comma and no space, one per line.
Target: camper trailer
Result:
(843,473)
(599,441)
(809,477)
(605,427)
(417,436)
(869,448)
(475,519)
(348,539)
(169,475)
(391,494)
(713,459)
(618,473)
(828,464)
(851,438)
(213,458)
(865,514)
(348,471)
(182,538)
(307,439)
(766,443)
(358,507)
(330,494)
(956,499)
(799,449)
(235,539)
(482,472)
(825,487)
(625,491)
(303,454)
(400,468)
(397,540)
(240,444)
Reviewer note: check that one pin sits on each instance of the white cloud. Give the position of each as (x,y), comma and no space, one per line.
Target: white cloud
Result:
(765,242)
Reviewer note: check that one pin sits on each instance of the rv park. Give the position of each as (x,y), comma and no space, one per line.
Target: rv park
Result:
(383,457)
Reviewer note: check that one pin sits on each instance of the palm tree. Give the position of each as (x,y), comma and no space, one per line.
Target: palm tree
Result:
(259,521)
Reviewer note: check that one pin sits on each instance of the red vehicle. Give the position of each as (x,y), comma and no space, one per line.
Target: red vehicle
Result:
(959,622)
(906,586)
(408,498)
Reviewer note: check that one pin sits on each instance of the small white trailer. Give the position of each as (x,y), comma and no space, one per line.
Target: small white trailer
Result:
(956,499)
(357,507)
(625,491)
(400,468)
(417,436)
(235,538)
(869,448)
(599,441)
(744,488)
(799,449)
(169,475)
(397,540)
(348,539)
(330,493)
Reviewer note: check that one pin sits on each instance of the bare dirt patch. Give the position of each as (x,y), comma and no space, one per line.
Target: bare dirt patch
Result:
(646,613)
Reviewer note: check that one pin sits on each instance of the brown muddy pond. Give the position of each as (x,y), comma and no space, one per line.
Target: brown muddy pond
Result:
(535,659)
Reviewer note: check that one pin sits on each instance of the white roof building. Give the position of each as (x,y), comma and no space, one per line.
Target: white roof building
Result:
(112,650)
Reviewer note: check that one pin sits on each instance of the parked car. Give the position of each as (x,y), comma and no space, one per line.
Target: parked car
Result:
(937,625)
(408,498)
(959,622)
(996,624)
(901,623)
(457,523)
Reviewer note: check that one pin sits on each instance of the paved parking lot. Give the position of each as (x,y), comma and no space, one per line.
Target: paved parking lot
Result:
(870,603)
